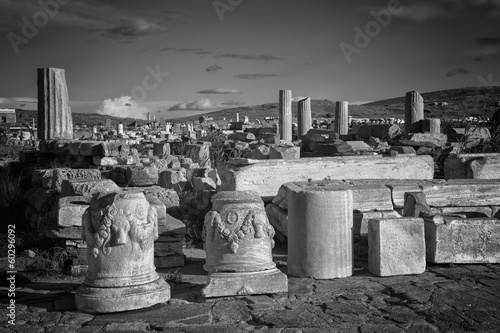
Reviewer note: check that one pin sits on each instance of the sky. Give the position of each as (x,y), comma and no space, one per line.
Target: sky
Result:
(176,58)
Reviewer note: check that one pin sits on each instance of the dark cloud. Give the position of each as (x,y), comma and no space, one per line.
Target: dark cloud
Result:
(260,57)
(214,68)
(256,76)
(193,50)
(457,71)
(488,40)
(219,91)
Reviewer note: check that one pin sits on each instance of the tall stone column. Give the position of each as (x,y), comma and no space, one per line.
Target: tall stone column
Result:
(285,113)
(119,129)
(342,117)
(320,232)
(304,117)
(54,112)
(414,112)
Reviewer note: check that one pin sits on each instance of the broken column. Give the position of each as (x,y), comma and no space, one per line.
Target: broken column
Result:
(120,229)
(285,113)
(304,117)
(119,129)
(238,242)
(54,112)
(341,117)
(320,236)
(414,112)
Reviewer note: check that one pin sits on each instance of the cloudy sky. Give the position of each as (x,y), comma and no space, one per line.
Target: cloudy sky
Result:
(179,57)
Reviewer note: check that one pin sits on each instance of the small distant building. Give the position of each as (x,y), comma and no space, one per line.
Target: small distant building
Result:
(8,116)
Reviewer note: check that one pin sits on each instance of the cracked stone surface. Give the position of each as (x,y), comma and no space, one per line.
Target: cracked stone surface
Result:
(446,298)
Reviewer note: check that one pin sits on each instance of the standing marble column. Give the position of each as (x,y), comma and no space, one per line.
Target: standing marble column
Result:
(304,117)
(414,112)
(119,129)
(342,118)
(285,113)
(54,112)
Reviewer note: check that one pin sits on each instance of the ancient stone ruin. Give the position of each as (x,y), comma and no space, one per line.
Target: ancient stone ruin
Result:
(124,200)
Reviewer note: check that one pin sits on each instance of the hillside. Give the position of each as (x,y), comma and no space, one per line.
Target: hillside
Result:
(461,102)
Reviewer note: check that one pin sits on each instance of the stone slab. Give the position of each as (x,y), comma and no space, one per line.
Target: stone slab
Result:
(456,240)
(266,176)
(87,187)
(463,193)
(251,283)
(396,246)
(65,174)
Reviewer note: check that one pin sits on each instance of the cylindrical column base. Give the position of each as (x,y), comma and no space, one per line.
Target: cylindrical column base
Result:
(320,233)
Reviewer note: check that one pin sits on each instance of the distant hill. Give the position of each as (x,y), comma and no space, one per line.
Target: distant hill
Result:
(461,102)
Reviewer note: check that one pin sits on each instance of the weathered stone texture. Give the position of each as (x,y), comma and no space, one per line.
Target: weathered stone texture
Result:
(396,246)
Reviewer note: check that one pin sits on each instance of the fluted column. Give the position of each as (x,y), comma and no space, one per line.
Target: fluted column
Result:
(54,112)
(304,117)
(341,117)
(414,112)
(320,232)
(285,113)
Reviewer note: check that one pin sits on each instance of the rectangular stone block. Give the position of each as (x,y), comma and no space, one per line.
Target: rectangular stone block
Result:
(142,176)
(463,192)
(457,240)
(266,176)
(396,246)
(71,209)
(360,220)
(63,173)
(472,166)
(105,161)
(169,261)
(87,187)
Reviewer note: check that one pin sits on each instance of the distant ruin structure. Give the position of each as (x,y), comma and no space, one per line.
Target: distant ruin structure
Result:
(8,116)
(54,113)
(304,117)
(342,117)
(285,113)
(414,112)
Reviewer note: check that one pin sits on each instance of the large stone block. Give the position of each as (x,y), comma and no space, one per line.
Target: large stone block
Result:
(87,187)
(396,246)
(463,192)
(284,152)
(65,174)
(70,210)
(452,239)
(266,176)
(361,219)
(474,166)
(142,176)
(199,153)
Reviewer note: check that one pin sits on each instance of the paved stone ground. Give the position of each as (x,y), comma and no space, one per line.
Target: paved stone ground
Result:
(446,298)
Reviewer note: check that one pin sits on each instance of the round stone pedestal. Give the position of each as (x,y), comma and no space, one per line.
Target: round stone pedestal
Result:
(120,229)
(238,243)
